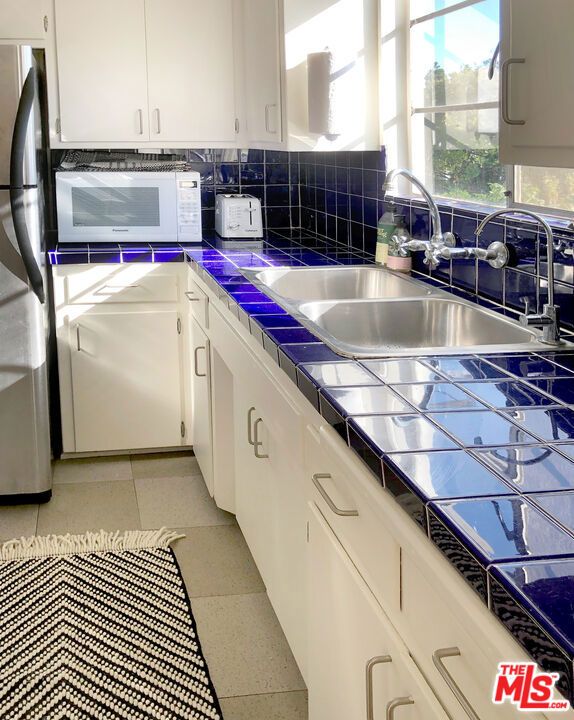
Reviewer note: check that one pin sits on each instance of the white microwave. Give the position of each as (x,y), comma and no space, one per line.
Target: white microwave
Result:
(120,206)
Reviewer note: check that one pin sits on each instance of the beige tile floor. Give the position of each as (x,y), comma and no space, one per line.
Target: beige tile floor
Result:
(251,664)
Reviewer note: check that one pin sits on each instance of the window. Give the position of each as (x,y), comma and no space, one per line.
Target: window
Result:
(454,112)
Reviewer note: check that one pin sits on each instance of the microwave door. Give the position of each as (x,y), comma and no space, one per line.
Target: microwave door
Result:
(116,207)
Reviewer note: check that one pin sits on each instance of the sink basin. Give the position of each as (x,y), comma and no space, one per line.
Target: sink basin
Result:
(334,283)
(411,326)
(366,311)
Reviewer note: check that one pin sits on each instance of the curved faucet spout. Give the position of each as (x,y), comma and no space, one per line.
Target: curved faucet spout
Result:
(437,234)
(549,321)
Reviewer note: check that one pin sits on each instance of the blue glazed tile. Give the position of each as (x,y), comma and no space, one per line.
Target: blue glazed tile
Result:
(464,368)
(67,257)
(527,366)
(446,474)
(252,174)
(332,415)
(530,468)
(518,286)
(481,427)
(503,528)
(277,174)
(274,321)
(366,400)
(309,352)
(333,374)
(507,394)
(401,433)
(249,295)
(226,174)
(526,598)
(438,396)
(308,388)
(168,256)
(404,495)
(559,505)
(263,308)
(290,335)
(401,371)
(562,390)
(565,360)
(546,423)
(366,450)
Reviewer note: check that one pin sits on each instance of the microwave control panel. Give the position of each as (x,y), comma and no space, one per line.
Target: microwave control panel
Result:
(189,206)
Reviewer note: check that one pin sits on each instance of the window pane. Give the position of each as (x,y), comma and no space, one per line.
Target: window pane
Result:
(545,187)
(450,57)
(425,7)
(460,155)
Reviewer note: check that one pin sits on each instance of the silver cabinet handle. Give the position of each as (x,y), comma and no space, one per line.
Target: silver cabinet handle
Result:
(337,510)
(437,658)
(267,123)
(397,702)
(78,339)
(140,121)
(505,77)
(198,374)
(369,672)
(157,121)
(256,442)
(188,294)
(249,435)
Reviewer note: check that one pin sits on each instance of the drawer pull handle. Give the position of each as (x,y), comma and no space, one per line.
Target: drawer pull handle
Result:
(256,442)
(78,339)
(369,672)
(188,295)
(505,91)
(437,659)
(198,374)
(249,434)
(337,510)
(115,287)
(397,702)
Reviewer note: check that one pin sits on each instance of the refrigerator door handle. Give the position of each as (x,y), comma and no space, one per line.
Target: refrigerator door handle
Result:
(25,108)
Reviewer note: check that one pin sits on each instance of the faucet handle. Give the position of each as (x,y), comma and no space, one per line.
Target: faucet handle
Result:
(526,300)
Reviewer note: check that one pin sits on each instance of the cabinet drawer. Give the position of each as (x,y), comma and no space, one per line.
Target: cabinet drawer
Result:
(336,484)
(95,285)
(198,303)
(436,619)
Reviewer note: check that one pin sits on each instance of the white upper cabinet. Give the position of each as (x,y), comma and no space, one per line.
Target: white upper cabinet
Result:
(190,61)
(537,101)
(146,71)
(23,19)
(262,77)
(102,70)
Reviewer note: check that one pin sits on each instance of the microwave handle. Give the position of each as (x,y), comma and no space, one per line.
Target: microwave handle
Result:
(17,206)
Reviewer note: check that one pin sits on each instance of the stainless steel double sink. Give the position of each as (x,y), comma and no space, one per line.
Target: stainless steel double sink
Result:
(367,311)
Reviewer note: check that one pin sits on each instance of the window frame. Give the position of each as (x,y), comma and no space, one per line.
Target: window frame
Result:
(511,171)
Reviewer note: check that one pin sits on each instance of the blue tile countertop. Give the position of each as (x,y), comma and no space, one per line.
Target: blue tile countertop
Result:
(478,450)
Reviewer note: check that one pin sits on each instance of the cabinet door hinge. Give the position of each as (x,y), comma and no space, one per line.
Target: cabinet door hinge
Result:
(182,429)
(45,23)
(58,126)
(179,326)
(236,125)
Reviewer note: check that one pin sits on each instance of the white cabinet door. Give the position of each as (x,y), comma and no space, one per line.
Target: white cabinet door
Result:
(23,20)
(190,70)
(201,402)
(102,70)
(126,386)
(262,71)
(358,667)
(536,90)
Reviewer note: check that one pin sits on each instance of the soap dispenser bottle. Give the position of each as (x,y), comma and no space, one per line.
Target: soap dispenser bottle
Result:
(385,229)
(399,259)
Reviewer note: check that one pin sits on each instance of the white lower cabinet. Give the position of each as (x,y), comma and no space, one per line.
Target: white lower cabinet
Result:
(125,375)
(358,666)
(201,401)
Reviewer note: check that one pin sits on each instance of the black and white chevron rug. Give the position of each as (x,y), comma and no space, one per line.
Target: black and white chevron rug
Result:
(99,627)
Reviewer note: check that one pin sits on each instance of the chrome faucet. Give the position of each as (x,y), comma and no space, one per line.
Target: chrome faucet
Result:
(442,245)
(438,240)
(549,320)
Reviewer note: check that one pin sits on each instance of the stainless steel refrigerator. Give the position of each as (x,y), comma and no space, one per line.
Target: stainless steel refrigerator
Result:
(25,466)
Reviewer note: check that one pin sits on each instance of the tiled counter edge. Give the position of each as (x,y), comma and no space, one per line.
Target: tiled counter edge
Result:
(460,438)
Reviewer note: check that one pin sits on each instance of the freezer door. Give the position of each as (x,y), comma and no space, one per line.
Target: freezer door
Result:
(25,467)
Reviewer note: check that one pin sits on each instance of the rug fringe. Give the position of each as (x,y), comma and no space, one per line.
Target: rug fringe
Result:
(101,541)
